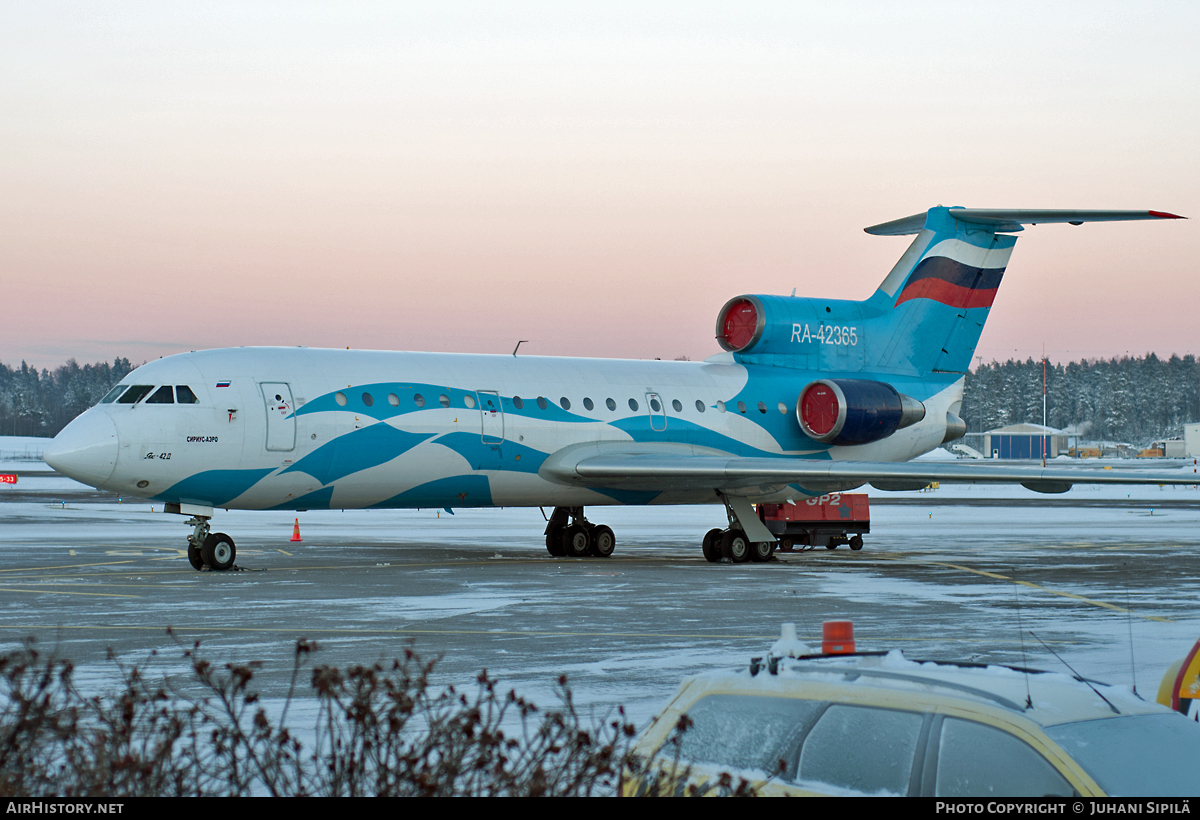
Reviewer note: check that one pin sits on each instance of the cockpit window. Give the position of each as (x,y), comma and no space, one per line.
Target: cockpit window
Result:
(112,394)
(135,394)
(184,395)
(162,395)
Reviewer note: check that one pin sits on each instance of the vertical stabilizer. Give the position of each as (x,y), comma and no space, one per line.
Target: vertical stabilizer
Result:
(933,304)
(938,296)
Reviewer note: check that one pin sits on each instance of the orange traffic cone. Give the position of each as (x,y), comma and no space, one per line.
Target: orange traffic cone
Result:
(296,531)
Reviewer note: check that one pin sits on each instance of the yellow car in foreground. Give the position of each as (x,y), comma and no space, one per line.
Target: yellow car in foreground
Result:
(880,724)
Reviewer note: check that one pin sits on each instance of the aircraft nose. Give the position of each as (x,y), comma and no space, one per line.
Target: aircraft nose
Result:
(86,449)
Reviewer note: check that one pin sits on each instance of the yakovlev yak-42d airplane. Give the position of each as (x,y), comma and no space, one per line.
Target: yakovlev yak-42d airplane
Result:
(810,396)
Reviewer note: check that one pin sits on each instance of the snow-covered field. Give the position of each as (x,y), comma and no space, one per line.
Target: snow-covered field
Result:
(1107,577)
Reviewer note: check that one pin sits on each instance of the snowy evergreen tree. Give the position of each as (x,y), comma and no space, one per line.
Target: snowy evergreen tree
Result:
(41,404)
(1137,400)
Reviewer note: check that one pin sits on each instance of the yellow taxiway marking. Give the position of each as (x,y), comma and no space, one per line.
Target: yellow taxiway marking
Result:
(56,592)
(510,633)
(34,572)
(285,552)
(67,566)
(1041,588)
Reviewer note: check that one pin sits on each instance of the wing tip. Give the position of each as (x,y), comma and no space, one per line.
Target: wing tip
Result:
(1165,215)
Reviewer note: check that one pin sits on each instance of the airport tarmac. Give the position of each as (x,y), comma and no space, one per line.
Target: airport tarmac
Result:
(1108,579)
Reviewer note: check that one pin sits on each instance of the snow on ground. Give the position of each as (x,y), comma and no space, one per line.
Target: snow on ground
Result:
(940,577)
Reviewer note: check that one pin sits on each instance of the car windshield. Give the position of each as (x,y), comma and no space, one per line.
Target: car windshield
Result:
(1135,755)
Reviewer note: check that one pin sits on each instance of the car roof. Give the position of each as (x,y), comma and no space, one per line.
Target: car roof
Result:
(1055,697)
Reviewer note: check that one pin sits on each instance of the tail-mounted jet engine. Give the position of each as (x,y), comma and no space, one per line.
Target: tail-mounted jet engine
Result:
(854,411)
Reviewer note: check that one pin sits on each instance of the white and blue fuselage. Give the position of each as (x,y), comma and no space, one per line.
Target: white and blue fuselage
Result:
(299,428)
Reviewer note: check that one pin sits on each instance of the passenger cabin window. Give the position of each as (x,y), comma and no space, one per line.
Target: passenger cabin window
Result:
(393,400)
(112,394)
(587,403)
(517,403)
(762,407)
(368,399)
(610,404)
(184,395)
(340,398)
(565,402)
(444,400)
(135,394)
(468,401)
(699,406)
(418,400)
(677,405)
(162,395)
(741,407)
(633,405)
(541,402)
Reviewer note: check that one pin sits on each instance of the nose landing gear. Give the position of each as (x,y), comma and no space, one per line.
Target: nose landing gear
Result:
(214,550)
(580,538)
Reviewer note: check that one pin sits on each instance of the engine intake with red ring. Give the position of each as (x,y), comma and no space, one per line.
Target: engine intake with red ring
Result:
(854,411)
(740,323)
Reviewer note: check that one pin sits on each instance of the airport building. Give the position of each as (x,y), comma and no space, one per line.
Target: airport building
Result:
(1024,441)
(1191,440)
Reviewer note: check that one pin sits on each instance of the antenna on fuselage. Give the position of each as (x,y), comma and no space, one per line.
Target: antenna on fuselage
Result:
(523,341)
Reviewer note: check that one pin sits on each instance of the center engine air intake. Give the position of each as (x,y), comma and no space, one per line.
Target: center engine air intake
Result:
(740,323)
(854,411)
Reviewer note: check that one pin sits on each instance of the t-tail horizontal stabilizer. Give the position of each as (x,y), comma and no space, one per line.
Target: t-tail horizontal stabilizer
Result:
(1011,220)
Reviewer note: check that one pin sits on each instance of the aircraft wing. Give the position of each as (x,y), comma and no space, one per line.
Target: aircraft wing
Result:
(645,468)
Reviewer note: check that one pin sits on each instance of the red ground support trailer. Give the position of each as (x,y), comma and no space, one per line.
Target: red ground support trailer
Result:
(825,521)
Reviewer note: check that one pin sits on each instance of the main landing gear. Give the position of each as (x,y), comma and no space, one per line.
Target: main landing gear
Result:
(578,538)
(734,544)
(214,550)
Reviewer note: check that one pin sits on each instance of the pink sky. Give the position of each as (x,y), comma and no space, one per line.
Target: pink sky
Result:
(596,179)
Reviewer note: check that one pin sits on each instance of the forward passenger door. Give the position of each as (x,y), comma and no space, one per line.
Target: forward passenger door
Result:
(281,416)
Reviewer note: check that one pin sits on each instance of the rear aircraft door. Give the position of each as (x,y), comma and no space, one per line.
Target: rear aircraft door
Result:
(492,415)
(281,416)
(658,413)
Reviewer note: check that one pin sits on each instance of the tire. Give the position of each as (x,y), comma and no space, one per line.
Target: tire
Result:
(603,541)
(832,545)
(712,546)
(856,542)
(762,551)
(194,557)
(576,541)
(554,542)
(735,546)
(218,552)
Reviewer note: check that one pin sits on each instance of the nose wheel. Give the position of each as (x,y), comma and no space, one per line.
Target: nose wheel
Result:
(214,550)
